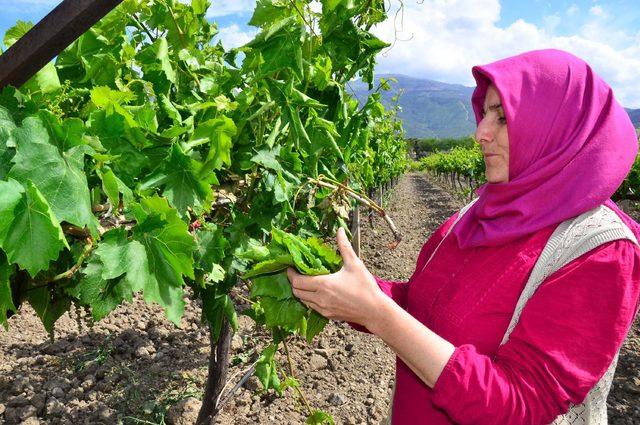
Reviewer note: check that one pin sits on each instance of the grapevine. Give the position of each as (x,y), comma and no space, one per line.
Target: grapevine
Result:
(148,158)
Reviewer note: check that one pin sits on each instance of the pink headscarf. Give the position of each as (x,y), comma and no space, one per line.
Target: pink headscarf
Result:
(571,145)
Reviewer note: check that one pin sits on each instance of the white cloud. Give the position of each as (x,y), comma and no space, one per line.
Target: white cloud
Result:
(233,36)
(551,22)
(447,37)
(572,10)
(231,7)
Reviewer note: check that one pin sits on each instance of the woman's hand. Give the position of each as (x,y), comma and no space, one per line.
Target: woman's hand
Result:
(350,294)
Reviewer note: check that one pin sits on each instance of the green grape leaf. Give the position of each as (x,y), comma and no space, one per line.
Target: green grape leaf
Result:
(66,134)
(102,295)
(217,307)
(170,250)
(47,305)
(156,57)
(46,80)
(216,274)
(6,300)
(200,7)
(327,254)
(113,101)
(315,325)
(16,32)
(319,417)
(34,236)
(266,370)
(268,158)
(113,187)
(211,247)
(272,265)
(287,314)
(59,177)
(279,46)
(275,286)
(7,143)
(182,186)
(269,11)
(253,250)
(11,192)
(218,133)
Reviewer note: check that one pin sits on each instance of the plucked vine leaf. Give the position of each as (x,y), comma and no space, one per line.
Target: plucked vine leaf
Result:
(266,370)
(58,176)
(286,314)
(281,310)
(275,286)
(30,234)
(315,324)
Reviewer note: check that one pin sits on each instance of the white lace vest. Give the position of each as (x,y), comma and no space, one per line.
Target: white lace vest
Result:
(571,239)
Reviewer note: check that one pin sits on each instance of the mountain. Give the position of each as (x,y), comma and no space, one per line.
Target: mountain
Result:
(634,114)
(432,108)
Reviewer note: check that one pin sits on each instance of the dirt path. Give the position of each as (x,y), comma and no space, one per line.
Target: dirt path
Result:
(133,365)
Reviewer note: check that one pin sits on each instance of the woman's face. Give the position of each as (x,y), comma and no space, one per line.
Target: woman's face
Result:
(492,136)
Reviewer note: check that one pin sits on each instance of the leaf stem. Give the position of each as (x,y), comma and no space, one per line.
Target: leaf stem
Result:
(69,273)
(290,363)
(363,199)
(143,27)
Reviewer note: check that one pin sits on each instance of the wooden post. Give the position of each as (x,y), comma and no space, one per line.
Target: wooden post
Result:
(54,33)
(355,230)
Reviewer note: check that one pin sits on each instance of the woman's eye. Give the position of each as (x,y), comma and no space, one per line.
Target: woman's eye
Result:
(503,120)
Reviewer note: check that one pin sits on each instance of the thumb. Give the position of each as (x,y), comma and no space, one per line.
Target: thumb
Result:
(346,250)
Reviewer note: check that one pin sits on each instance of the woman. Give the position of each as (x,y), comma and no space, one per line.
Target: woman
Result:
(486,331)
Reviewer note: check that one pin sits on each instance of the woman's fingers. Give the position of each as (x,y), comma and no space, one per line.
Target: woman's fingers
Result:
(346,250)
(305,296)
(304,283)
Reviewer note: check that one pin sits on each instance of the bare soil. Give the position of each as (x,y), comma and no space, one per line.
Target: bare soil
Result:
(134,367)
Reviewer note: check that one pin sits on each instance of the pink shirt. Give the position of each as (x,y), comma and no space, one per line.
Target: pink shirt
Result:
(566,338)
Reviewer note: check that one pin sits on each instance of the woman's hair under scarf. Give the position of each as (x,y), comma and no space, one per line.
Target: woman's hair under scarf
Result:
(571,145)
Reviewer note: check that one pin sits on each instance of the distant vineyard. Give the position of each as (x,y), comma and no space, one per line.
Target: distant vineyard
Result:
(463,169)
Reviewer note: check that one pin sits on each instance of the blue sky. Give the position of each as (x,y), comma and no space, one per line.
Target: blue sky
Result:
(444,39)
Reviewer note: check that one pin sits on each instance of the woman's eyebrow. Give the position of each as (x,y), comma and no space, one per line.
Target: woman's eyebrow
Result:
(492,107)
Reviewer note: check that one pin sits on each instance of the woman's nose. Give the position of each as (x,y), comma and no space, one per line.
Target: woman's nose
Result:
(484,132)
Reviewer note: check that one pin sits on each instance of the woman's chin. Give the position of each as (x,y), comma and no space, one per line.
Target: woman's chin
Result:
(496,179)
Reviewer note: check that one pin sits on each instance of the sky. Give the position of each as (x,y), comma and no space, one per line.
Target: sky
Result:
(442,39)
